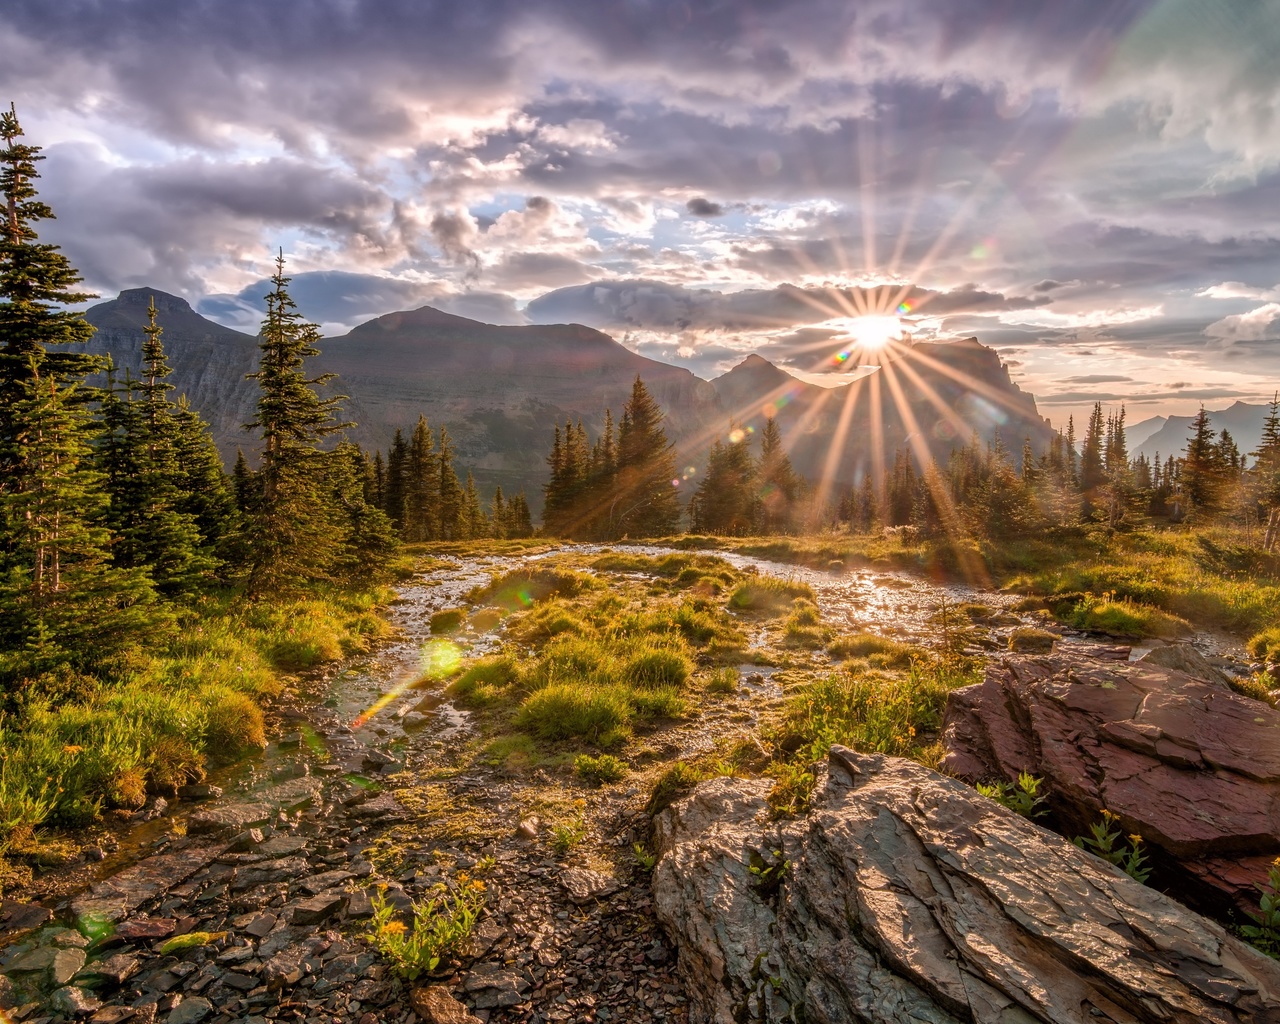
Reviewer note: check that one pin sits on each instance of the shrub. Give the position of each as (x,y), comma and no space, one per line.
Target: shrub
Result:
(1264,933)
(769,595)
(448,620)
(657,702)
(599,770)
(1265,646)
(563,710)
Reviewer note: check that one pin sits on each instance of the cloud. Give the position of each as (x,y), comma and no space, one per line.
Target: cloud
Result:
(700,206)
(1252,326)
(1097,378)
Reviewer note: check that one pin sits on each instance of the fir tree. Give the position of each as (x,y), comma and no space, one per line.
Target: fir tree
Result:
(1202,470)
(1267,464)
(725,501)
(1092,460)
(449,497)
(475,524)
(421,486)
(294,534)
(397,481)
(778,484)
(646,502)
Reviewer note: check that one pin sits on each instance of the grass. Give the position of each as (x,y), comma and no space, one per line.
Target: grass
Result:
(768,595)
(447,620)
(522,588)
(1030,640)
(880,651)
(597,771)
(1125,618)
(74,746)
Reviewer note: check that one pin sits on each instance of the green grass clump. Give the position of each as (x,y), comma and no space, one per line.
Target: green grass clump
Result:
(871,710)
(600,770)
(1029,640)
(1265,646)
(768,595)
(543,623)
(723,680)
(880,651)
(441,926)
(447,620)
(483,681)
(486,619)
(1126,619)
(657,667)
(672,784)
(523,588)
(803,627)
(561,711)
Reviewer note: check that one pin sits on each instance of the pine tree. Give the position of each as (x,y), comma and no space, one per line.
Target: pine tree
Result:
(475,524)
(421,486)
(778,484)
(244,484)
(1092,459)
(1202,470)
(725,501)
(521,521)
(397,481)
(294,535)
(498,515)
(646,502)
(1267,465)
(449,498)
(60,596)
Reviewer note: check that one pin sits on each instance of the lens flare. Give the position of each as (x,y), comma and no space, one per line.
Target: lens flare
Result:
(736,435)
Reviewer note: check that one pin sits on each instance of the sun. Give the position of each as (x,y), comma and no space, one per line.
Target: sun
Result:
(874,332)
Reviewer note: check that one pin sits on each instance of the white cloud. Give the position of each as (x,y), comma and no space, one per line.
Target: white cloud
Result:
(1252,326)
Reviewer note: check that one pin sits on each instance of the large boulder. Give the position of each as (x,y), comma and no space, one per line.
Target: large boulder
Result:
(905,896)
(1183,761)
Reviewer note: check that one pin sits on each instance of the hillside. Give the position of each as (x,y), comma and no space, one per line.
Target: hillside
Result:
(501,390)
(1243,420)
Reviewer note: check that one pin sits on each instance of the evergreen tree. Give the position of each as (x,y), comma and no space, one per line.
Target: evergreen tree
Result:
(378,482)
(1093,472)
(60,596)
(397,481)
(244,485)
(294,535)
(421,486)
(1267,464)
(725,501)
(498,515)
(449,498)
(779,485)
(519,517)
(646,502)
(475,524)
(1202,470)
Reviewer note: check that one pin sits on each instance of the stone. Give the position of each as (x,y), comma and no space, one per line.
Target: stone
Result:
(199,791)
(190,1011)
(38,959)
(113,1015)
(282,870)
(322,882)
(71,1001)
(435,1005)
(1183,761)
(384,805)
(292,795)
(233,818)
(114,969)
(584,885)
(146,928)
(528,828)
(905,895)
(260,927)
(116,897)
(1184,658)
(16,916)
(285,968)
(359,906)
(317,909)
(492,987)
(246,842)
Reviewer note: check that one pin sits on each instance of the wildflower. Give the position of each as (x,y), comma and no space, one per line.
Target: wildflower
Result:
(394,928)
(72,749)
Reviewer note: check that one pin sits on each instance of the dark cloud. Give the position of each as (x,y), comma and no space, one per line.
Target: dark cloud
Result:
(1099,378)
(703,207)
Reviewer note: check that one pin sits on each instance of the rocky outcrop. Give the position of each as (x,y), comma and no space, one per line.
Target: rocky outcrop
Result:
(1186,763)
(906,896)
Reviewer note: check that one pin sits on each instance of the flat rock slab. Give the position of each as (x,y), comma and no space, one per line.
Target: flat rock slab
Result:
(583,885)
(20,917)
(328,880)
(317,909)
(1186,763)
(114,898)
(905,895)
(292,795)
(492,987)
(384,805)
(435,1005)
(231,818)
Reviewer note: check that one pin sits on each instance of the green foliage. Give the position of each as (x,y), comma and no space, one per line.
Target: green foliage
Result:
(566,835)
(448,620)
(768,595)
(482,681)
(1264,933)
(803,627)
(1125,618)
(767,873)
(522,588)
(656,667)
(599,770)
(566,710)
(192,940)
(1266,645)
(1023,797)
(645,860)
(1105,840)
(793,786)
(723,680)
(880,651)
(671,785)
(440,927)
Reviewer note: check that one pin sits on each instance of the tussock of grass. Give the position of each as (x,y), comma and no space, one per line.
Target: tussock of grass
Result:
(1029,640)
(768,595)
(723,680)
(484,681)
(541,624)
(658,667)
(1265,646)
(1126,619)
(561,711)
(597,771)
(522,588)
(447,620)
(880,651)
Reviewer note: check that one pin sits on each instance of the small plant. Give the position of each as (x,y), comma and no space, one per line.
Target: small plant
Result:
(189,941)
(645,860)
(567,834)
(768,875)
(1023,797)
(1106,841)
(598,770)
(723,680)
(674,783)
(440,926)
(449,620)
(1264,933)
(792,790)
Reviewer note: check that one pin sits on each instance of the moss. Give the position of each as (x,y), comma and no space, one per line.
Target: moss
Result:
(1029,640)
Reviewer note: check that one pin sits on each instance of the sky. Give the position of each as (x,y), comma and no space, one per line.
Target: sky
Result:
(1092,188)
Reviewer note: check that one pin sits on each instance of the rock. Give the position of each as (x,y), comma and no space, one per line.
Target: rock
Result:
(1029,640)
(293,795)
(492,987)
(38,959)
(322,882)
(260,927)
(583,885)
(1184,762)
(263,873)
(146,928)
(229,819)
(436,1005)
(19,917)
(190,1011)
(72,1002)
(285,968)
(113,1015)
(1184,658)
(199,791)
(528,828)
(115,969)
(904,895)
(359,906)
(414,720)
(246,842)
(384,805)
(317,909)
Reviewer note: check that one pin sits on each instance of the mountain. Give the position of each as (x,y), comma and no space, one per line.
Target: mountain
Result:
(501,390)
(1136,433)
(930,395)
(1244,421)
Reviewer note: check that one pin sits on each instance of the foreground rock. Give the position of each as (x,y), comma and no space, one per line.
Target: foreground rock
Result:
(1186,763)
(906,896)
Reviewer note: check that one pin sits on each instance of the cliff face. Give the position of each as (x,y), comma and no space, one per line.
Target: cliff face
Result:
(501,390)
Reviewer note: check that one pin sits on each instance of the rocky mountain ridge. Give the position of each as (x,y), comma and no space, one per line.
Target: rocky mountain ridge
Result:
(500,390)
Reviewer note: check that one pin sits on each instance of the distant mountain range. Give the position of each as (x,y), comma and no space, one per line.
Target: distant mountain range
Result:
(501,390)
(1244,421)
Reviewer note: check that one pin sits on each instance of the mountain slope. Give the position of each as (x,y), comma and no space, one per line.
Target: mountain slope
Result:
(1244,421)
